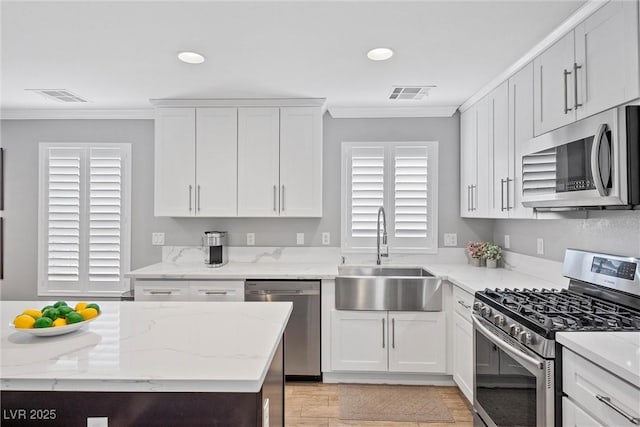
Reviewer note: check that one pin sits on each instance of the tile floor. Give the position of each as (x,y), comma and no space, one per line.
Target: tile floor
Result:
(316,404)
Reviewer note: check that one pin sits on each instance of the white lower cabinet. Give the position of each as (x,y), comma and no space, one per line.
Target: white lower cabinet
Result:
(161,290)
(380,341)
(573,416)
(189,290)
(463,355)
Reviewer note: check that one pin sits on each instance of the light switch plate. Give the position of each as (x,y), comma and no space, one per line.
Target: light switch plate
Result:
(540,246)
(157,239)
(300,238)
(97,422)
(326,238)
(450,239)
(251,239)
(507,241)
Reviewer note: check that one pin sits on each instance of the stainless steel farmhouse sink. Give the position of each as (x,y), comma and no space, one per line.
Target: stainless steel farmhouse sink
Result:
(387,288)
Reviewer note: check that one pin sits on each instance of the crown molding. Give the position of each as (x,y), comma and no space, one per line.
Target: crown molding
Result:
(390,112)
(564,28)
(72,114)
(239,102)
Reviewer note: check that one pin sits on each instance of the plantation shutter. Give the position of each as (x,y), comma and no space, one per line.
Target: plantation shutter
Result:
(410,194)
(105,212)
(63,215)
(367,189)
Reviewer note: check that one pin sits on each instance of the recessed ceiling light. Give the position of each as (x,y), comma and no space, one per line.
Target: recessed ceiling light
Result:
(191,57)
(380,54)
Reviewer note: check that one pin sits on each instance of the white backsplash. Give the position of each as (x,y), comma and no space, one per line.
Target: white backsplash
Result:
(254,254)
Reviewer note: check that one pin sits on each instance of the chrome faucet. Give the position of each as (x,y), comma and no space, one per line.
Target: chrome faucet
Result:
(384,234)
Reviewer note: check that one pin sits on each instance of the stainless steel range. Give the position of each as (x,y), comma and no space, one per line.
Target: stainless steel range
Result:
(516,358)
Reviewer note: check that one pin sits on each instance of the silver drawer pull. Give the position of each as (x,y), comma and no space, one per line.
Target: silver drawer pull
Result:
(215,293)
(607,401)
(160,292)
(463,304)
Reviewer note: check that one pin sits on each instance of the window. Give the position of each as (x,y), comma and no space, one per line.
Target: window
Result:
(401,176)
(84,219)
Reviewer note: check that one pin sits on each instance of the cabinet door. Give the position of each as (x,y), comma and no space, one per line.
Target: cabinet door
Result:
(174,165)
(480,193)
(216,161)
(301,161)
(520,134)
(574,416)
(258,162)
(359,340)
(417,342)
(467,159)
(607,51)
(499,150)
(463,355)
(161,290)
(553,83)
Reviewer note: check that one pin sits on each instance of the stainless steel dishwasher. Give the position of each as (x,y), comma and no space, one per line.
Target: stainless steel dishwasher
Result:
(302,335)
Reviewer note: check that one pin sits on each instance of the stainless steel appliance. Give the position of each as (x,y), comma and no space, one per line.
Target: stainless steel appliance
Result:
(216,255)
(590,163)
(517,374)
(302,336)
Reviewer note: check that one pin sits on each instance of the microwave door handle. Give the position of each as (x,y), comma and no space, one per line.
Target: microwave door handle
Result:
(595,160)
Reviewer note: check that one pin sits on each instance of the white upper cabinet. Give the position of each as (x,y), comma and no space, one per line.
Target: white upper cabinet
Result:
(216,161)
(474,160)
(607,52)
(300,161)
(480,192)
(175,171)
(468,162)
(553,83)
(258,162)
(500,150)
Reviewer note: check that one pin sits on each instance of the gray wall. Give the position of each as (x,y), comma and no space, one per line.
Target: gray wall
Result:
(20,139)
(615,232)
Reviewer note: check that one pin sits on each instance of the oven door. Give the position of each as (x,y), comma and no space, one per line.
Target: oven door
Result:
(512,385)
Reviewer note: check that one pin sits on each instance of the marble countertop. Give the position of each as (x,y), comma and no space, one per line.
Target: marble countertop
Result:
(147,346)
(617,352)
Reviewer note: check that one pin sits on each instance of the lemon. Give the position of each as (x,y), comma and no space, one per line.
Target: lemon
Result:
(74,317)
(33,312)
(81,306)
(89,313)
(24,321)
(59,322)
(43,322)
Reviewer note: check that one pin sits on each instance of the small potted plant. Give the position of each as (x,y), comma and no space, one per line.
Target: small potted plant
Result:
(492,253)
(475,251)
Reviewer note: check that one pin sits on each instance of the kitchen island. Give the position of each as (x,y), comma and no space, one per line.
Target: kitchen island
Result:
(148,363)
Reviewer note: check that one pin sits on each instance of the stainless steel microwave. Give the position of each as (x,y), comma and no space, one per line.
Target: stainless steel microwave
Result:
(590,163)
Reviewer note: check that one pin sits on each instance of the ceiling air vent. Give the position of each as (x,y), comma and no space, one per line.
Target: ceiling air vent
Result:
(60,95)
(410,92)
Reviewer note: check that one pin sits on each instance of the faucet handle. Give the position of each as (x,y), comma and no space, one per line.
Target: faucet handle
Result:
(386,251)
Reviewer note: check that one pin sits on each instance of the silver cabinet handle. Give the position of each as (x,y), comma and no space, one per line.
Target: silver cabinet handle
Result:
(275,206)
(467,306)
(607,401)
(576,67)
(160,292)
(190,187)
(198,198)
(282,197)
(383,333)
(215,292)
(473,205)
(566,101)
(596,170)
(468,198)
(508,180)
(393,332)
(502,195)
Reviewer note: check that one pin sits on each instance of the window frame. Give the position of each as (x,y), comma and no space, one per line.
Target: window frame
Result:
(350,244)
(84,288)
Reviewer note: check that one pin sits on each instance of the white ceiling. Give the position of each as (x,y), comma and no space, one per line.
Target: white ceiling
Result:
(121,54)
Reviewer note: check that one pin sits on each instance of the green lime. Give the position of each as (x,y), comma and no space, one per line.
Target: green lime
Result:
(59,304)
(46,308)
(51,313)
(93,305)
(64,310)
(43,322)
(74,317)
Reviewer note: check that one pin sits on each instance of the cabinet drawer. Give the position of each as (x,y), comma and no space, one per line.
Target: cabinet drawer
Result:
(162,290)
(582,381)
(219,290)
(574,416)
(462,302)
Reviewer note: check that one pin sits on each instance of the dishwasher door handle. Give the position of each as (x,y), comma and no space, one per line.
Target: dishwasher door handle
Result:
(293,292)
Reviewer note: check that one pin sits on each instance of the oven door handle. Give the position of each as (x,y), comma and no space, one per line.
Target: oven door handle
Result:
(596,171)
(506,348)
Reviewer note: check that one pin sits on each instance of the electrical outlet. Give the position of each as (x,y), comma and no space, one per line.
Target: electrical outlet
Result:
(157,239)
(450,239)
(540,248)
(507,241)
(98,422)
(251,239)
(326,238)
(300,238)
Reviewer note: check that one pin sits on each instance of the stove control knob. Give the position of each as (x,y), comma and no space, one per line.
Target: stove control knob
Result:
(525,337)
(498,320)
(486,311)
(514,330)
(477,306)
